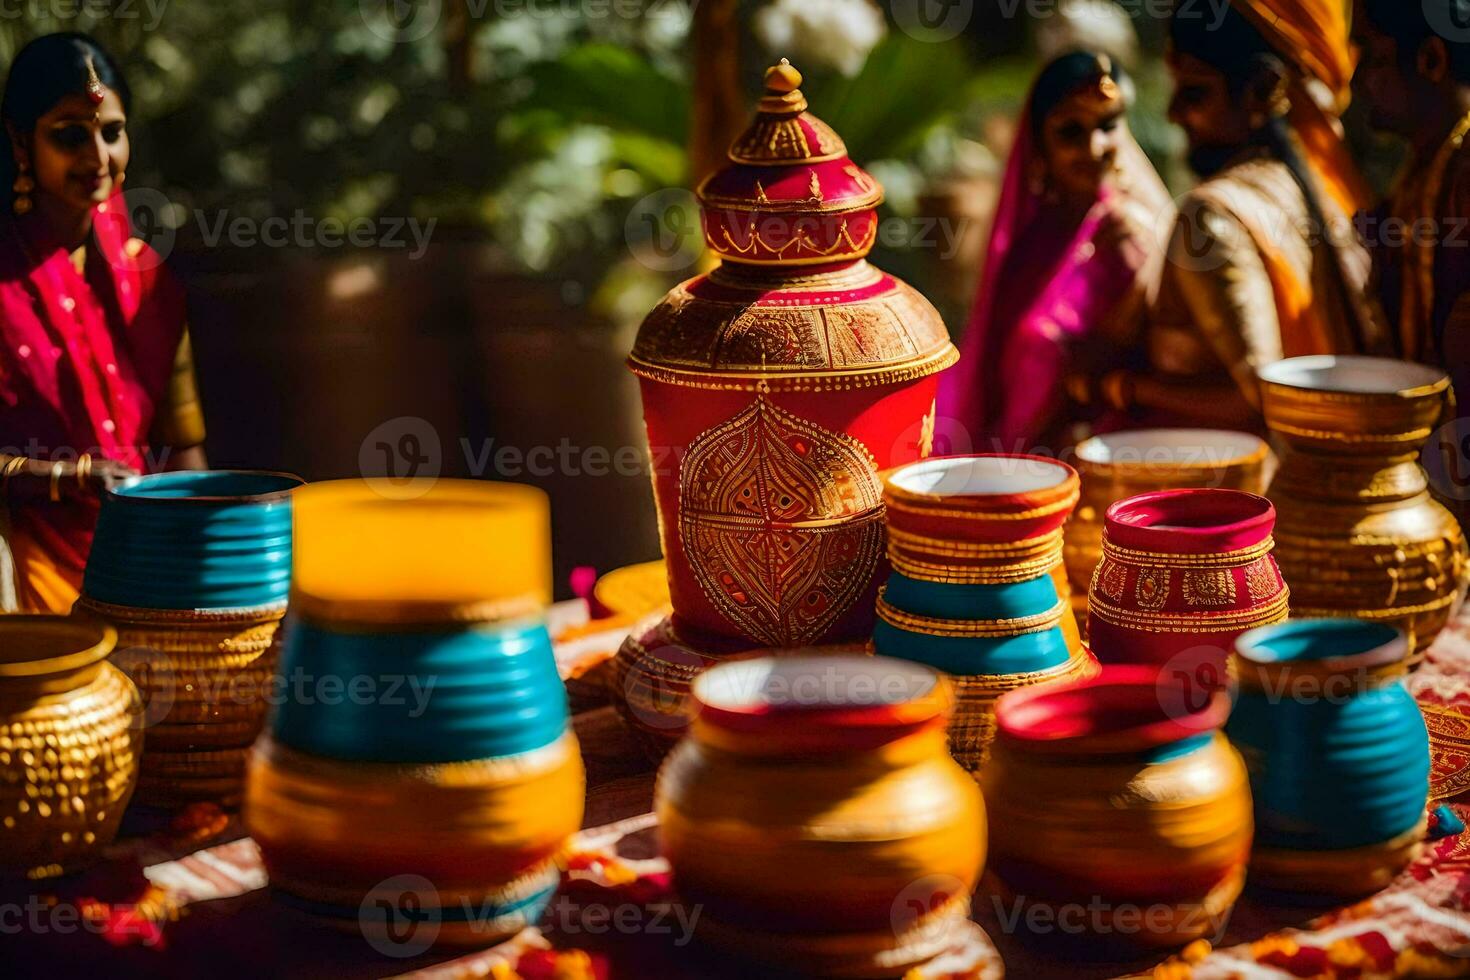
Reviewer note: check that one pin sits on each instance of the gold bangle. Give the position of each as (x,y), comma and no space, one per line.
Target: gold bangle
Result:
(84,470)
(13,465)
(56,481)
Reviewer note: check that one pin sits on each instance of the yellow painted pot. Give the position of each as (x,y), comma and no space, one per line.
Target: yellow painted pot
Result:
(816,818)
(205,680)
(1124,464)
(436,809)
(485,835)
(1357,532)
(69,743)
(1119,809)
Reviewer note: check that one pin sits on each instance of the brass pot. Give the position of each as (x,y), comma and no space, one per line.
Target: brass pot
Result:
(69,743)
(1124,464)
(1357,532)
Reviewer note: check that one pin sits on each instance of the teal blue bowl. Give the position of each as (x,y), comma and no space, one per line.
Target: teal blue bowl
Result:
(448,694)
(199,539)
(1337,749)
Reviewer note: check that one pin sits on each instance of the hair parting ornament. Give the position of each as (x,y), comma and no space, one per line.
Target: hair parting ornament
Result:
(95,90)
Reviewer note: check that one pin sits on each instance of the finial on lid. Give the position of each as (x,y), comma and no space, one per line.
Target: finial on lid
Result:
(782,78)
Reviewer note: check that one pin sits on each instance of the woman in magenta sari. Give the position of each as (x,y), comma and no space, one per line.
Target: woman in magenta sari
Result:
(96,380)
(1072,262)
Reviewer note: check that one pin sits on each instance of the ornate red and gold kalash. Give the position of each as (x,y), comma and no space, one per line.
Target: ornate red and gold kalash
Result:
(778,385)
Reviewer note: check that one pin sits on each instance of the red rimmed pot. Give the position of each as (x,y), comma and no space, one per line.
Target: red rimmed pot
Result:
(966,514)
(1183,573)
(815,818)
(1117,803)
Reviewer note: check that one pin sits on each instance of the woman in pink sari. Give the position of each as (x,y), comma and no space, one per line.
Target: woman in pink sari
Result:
(96,381)
(1073,258)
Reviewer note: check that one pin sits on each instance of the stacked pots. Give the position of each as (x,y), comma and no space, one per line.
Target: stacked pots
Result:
(978,589)
(1183,573)
(1124,464)
(69,743)
(1337,751)
(193,569)
(1117,803)
(1359,534)
(423,730)
(815,818)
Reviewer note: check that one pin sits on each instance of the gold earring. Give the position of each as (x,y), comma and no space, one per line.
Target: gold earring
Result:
(22,187)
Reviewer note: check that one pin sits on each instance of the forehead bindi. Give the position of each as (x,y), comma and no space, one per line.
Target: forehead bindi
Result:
(77,108)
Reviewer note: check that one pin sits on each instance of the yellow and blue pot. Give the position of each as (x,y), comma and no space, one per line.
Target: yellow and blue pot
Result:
(193,569)
(422,729)
(1337,751)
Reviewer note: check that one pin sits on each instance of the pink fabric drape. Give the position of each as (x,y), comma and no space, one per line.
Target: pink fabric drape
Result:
(1048,283)
(84,359)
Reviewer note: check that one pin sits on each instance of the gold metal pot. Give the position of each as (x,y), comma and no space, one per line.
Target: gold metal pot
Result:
(69,743)
(1123,464)
(1357,532)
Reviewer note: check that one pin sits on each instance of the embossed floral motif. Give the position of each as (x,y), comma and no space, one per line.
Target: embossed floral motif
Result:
(1111,579)
(1260,580)
(1209,587)
(1152,588)
(781,520)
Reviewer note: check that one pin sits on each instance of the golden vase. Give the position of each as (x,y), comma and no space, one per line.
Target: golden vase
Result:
(1357,532)
(69,743)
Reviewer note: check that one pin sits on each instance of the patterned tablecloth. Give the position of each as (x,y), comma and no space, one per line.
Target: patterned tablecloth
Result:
(187,897)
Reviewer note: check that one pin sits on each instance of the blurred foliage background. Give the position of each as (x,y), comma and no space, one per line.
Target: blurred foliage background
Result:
(538,125)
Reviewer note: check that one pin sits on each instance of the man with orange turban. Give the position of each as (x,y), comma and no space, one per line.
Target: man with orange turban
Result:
(1264,261)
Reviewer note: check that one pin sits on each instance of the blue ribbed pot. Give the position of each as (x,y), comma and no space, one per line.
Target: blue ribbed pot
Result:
(1336,747)
(194,540)
(971,655)
(420,694)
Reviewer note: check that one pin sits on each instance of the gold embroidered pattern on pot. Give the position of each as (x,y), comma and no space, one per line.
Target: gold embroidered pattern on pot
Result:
(784,520)
(1209,587)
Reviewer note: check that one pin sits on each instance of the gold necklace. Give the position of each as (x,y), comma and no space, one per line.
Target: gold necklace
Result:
(1417,306)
